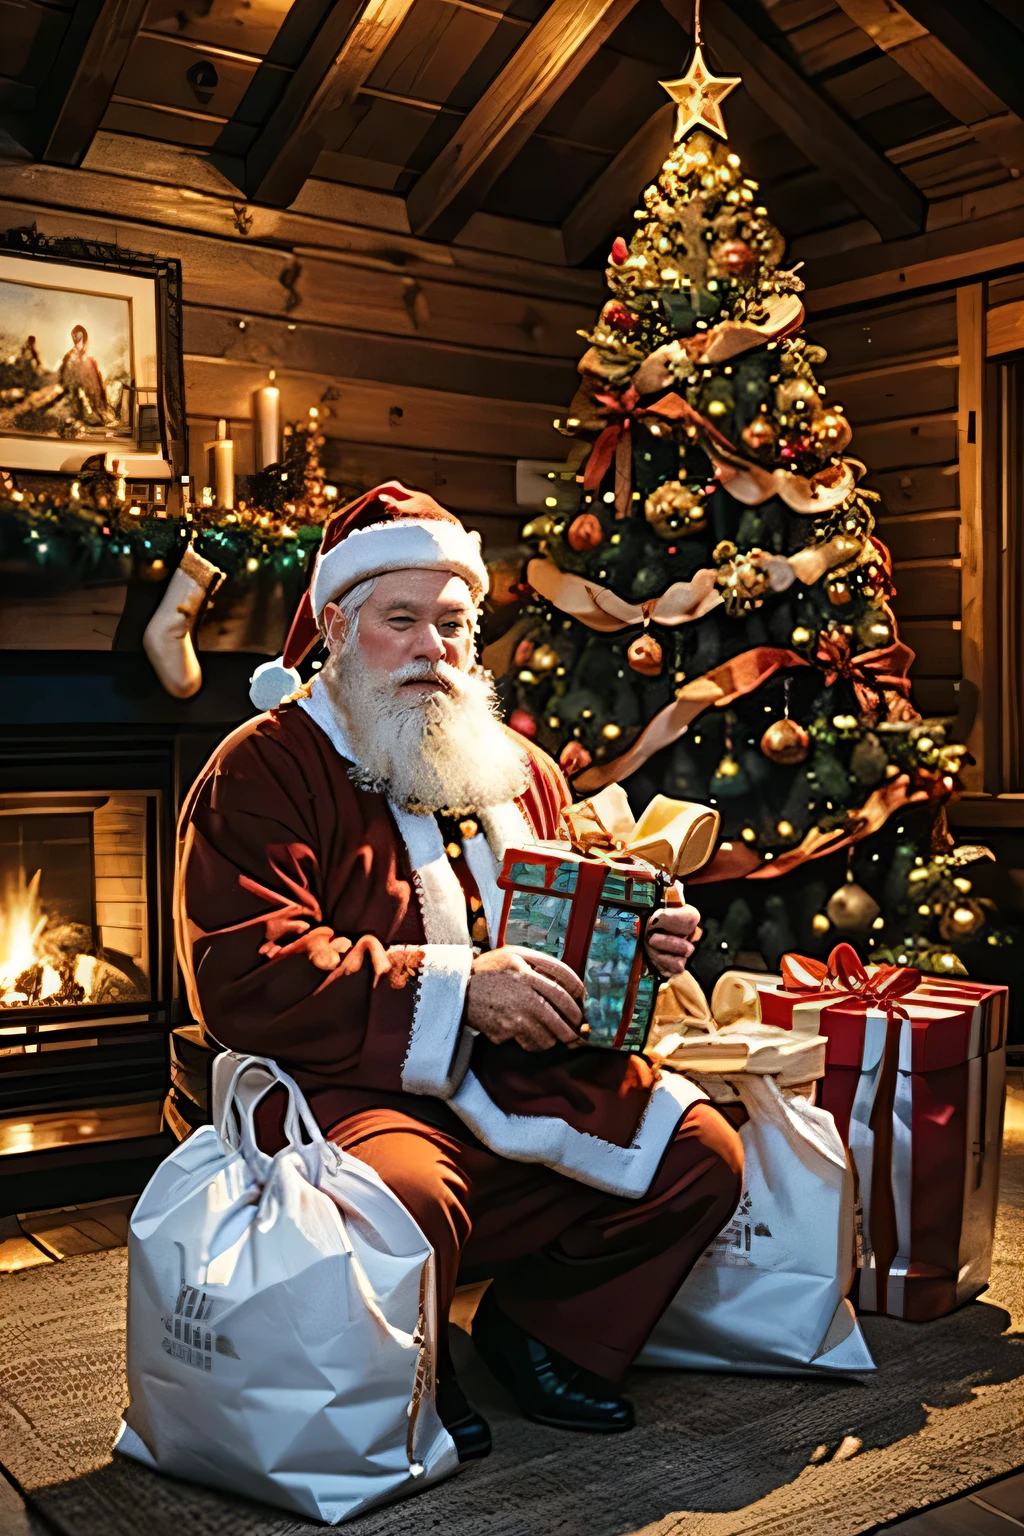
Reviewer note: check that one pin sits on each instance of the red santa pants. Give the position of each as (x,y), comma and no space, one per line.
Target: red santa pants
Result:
(585,1272)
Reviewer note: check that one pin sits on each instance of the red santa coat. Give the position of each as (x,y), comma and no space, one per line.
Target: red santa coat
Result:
(278,849)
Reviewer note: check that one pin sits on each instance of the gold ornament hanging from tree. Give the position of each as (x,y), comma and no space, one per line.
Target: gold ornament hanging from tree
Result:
(851,909)
(785,742)
(674,510)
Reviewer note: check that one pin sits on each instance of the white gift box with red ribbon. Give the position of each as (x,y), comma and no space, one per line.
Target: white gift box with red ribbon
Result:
(914,1077)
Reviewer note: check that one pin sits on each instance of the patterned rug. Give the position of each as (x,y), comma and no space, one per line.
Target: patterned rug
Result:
(713,1456)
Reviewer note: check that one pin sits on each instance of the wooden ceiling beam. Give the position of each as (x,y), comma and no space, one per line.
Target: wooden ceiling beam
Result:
(551,56)
(316,111)
(829,140)
(611,198)
(925,58)
(990,46)
(79,86)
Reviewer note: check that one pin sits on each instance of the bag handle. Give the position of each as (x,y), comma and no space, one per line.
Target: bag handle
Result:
(240,1083)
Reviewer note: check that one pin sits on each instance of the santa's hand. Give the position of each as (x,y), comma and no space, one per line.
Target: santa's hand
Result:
(671,938)
(522,995)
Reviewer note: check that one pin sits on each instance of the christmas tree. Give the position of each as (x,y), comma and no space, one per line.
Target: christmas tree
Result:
(712,620)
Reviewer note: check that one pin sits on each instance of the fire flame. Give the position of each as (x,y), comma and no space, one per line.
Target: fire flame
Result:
(22,921)
(44,957)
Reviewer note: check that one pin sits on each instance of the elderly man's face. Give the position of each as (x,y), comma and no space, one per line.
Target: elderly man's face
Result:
(411,617)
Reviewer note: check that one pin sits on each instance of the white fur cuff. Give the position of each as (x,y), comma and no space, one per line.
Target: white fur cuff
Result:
(439,1048)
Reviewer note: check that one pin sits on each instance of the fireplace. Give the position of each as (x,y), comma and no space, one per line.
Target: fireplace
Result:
(79,911)
(94,762)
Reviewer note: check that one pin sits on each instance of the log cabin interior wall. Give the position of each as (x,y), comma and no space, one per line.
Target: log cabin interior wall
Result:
(402,207)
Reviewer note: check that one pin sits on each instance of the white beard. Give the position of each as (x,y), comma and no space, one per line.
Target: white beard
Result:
(445,751)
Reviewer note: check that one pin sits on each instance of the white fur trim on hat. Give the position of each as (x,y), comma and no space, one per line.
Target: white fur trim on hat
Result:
(405,544)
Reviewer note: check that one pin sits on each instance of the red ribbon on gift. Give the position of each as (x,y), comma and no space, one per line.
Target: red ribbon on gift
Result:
(621,411)
(846,973)
(872,673)
(847,979)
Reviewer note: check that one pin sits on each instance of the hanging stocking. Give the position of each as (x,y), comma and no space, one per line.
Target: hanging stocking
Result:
(168,637)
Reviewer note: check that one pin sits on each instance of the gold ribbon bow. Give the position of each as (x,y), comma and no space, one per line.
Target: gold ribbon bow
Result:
(676,836)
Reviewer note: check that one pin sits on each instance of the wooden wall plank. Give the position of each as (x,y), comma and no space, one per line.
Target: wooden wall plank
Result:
(937,646)
(303,346)
(937,259)
(363,410)
(232,274)
(921,535)
(899,390)
(870,337)
(230,218)
(477,487)
(929,488)
(904,444)
(980,609)
(927,589)
(1005,329)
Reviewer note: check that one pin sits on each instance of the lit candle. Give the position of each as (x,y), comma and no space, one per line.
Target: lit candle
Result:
(266,415)
(220,467)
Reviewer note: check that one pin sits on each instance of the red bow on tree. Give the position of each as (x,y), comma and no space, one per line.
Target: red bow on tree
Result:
(872,673)
(615,443)
(847,973)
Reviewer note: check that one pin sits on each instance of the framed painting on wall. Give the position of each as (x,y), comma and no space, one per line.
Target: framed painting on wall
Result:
(90,357)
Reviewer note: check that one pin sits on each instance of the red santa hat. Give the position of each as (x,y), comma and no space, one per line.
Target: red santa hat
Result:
(389,529)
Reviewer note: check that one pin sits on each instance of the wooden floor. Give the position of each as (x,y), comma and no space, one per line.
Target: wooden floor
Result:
(48,1237)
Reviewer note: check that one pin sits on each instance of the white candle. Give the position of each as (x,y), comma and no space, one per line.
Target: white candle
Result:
(266,415)
(220,467)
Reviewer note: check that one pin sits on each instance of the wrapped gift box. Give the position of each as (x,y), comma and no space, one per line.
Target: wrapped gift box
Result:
(586,900)
(591,914)
(712,1042)
(915,1079)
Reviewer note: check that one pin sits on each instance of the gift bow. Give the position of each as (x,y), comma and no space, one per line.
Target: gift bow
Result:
(845,972)
(614,443)
(872,673)
(676,836)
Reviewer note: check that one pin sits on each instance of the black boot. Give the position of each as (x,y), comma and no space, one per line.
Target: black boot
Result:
(547,1387)
(468,1429)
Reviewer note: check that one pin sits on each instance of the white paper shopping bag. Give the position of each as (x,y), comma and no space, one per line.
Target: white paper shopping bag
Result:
(769,1295)
(280,1317)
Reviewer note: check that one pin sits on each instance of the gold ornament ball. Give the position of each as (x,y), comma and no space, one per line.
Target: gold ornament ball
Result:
(645,656)
(544,658)
(851,909)
(749,835)
(801,635)
(784,828)
(728,768)
(961,919)
(675,509)
(611,730)
(785,741)
(820,923)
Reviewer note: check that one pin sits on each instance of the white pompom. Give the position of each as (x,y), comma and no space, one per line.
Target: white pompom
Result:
(271,682)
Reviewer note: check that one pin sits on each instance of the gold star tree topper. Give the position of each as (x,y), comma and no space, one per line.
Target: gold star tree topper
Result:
(698,96)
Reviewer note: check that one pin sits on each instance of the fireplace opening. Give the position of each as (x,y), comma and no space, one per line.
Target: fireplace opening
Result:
(75,874)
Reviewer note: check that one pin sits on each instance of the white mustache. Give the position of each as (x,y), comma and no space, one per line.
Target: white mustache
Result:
(448,678)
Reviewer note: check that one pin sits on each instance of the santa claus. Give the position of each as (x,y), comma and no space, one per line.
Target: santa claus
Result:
(337,909)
